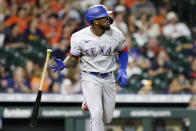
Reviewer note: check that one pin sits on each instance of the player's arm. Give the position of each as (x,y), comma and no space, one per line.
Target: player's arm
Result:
(71,61)
(123,56)
(183,46)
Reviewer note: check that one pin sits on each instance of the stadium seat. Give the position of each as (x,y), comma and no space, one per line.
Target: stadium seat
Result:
(134,83)
(159,85)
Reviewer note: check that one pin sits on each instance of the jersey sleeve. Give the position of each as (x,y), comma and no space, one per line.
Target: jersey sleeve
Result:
(75,47)
(122,43)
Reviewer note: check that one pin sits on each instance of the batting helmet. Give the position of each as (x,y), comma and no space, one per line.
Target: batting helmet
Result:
(97,11)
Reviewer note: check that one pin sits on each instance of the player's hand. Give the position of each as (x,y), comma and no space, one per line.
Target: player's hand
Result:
(123,76)
(58,65)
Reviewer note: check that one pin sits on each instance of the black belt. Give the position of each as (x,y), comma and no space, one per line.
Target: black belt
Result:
(100,75)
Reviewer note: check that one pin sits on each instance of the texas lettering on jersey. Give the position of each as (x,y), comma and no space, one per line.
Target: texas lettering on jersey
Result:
(100,50)
(97,54)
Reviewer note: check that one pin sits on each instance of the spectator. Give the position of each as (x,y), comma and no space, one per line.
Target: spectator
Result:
(22,20)
(71,85)
(35,13)
(129,42)
(64,17)
(142,22)
(152,48)
(147,24)
(140,37)
(62,50)
(161,18)
(74,24)
(2,34)
(190,73)
(65,34)
(153,29)
(43,24)
(29,69)
(129,3)
(58,5)
(174,28)
(167,4)
(36,79)
(161,65)
(109,4)
(139,60)
(131,25)
(132,68)
(3,10)
(121,2)
(29,8)
(33,34)
(69,12)
(19,83)
(190,47)
(13,11)
(14,39)
(46,7)
(57,80)
(143,6)
(67,31)
(55,30)
(180,85)
(193,87)
(119,13)
(4,78)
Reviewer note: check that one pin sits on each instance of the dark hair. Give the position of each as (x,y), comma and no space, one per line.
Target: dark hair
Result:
(53,15)
(12,26)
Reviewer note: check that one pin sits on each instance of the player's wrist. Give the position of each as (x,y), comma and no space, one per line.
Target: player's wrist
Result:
(64,65)
(123,71)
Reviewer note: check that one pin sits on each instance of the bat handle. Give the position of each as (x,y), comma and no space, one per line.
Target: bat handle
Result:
(35,111)
(49,51)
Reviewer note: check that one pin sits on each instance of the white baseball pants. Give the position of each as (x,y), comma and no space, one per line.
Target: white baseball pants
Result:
(100,95)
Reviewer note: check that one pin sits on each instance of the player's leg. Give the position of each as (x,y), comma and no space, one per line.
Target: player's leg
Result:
(109,98)
(92,92)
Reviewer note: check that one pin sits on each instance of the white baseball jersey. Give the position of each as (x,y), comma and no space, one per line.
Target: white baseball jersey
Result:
(97,53)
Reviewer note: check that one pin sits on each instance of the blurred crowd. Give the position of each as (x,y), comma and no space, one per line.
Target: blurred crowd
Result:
(160,36)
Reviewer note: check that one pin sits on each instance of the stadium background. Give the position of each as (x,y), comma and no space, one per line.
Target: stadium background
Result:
(161,71)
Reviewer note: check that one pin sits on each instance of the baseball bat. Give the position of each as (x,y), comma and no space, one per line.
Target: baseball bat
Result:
(35,112)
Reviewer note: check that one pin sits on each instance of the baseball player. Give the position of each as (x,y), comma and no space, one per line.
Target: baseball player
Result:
(96,45)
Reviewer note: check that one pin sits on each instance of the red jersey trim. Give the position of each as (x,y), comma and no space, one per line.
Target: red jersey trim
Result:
(124,50)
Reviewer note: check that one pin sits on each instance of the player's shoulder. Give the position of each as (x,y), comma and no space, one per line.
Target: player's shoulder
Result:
(113,28)
(81,32)
(115,31)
